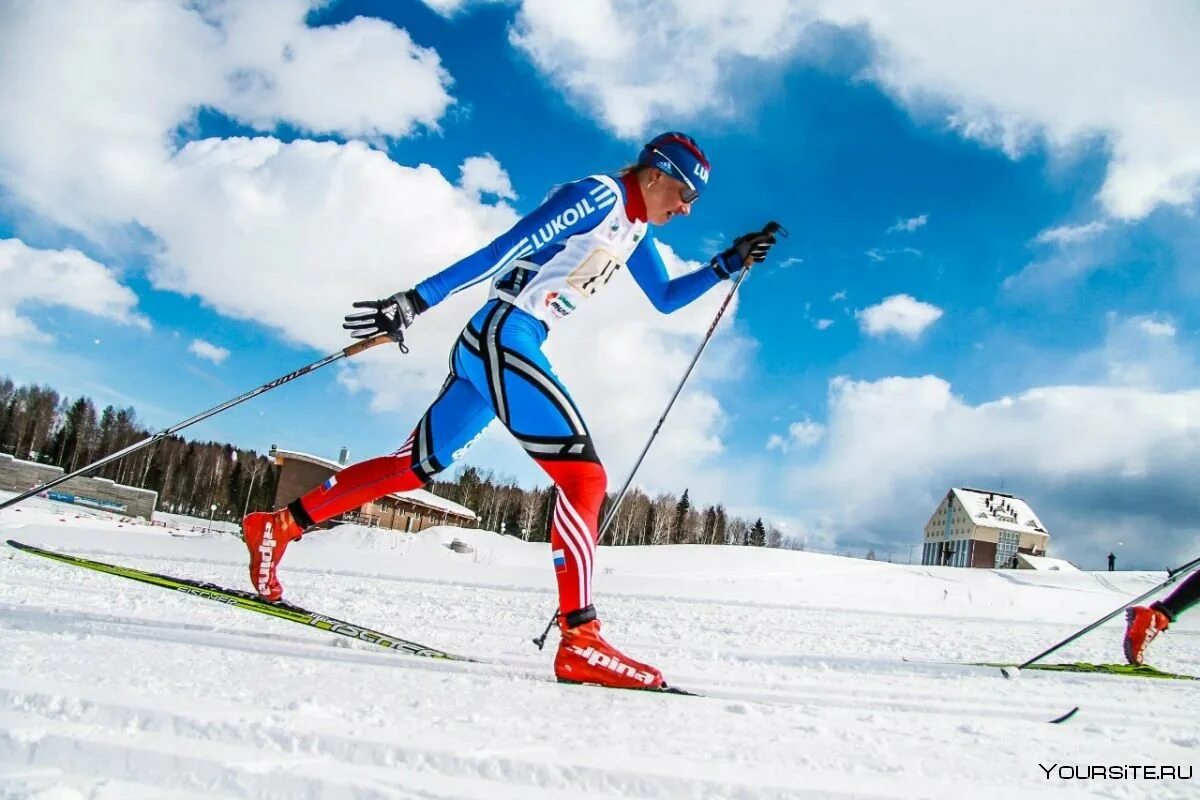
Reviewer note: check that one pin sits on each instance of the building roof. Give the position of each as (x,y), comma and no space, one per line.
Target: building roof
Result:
(1045,564)
(998,510)
(418,496)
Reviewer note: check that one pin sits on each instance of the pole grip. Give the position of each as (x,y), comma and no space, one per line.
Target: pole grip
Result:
(365,344)
(770,228)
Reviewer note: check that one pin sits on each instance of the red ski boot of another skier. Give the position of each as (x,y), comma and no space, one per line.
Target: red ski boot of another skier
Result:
(267,535)
(584,657)
(1143,623)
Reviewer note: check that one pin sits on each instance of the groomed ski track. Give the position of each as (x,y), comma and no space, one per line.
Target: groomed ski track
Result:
(109,689)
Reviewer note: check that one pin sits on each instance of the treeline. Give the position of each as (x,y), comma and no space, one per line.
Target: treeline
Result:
(504,506)
(37,424)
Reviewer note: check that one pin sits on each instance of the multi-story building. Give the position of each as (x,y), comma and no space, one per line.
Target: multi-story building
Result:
(981,528)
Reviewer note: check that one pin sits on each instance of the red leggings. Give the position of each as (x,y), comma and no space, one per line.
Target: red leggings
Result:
(498,372)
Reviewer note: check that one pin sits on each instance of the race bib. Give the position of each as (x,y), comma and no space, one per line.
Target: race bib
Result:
(594,272)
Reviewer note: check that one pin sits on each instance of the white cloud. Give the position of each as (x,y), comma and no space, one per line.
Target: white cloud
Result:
(875,255)
(363,78)
(1070,234)
(289,235)
(126,76)
(909,225)
(484,175)
(63,278)
(448,8)
(1154,327)
(804,433)
(1008,75)
(900,314)
(636,64)
(790,262)
(1014,73)
(839,296)
(823,324)
(208,351)
(1088,458)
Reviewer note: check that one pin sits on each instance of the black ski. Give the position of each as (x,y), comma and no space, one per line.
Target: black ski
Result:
(249,601)
(292,613)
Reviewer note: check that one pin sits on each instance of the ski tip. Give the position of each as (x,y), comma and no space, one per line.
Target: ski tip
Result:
(1012,673)
(1065,716)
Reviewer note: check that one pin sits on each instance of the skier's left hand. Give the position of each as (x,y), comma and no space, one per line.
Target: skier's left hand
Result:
(747,249)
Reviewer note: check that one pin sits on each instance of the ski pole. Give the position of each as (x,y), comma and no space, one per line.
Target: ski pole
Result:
(1172,576)
(345,352)
(771,227)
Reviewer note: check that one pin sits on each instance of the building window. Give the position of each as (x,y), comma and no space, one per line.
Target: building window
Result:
(1006,548)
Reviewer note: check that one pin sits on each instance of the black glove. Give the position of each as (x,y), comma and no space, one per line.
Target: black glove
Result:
(391,316)
(752,246)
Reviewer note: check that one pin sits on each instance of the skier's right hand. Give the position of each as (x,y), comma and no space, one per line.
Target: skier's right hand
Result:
(389,316)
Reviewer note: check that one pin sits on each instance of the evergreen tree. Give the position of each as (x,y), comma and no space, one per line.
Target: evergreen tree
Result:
(678,528)
(757,534)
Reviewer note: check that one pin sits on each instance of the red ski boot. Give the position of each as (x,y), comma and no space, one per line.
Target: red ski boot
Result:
(267,535)
(1143,624)
(584,657)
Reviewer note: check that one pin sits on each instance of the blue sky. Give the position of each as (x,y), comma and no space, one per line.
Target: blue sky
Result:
(990,277)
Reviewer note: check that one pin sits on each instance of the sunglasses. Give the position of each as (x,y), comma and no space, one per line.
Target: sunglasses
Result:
(689,193)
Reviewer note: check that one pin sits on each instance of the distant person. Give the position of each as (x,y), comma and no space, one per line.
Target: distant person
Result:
(1112,562)
(1144,623)
(541,270)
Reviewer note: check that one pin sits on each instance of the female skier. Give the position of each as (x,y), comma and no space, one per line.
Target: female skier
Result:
(555,258)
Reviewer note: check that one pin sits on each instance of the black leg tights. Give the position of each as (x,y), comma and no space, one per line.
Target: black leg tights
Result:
(1186,595)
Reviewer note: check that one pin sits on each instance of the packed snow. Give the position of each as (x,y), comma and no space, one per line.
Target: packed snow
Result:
(114,689)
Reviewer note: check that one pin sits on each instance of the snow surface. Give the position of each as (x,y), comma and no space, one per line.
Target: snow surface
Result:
(113,689)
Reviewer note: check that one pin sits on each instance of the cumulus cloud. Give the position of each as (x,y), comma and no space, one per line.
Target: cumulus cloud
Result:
(484,175)
(909,225)
(606,57)
(1010,75)
(208,351)
(63,278)
(901,314)
(1088,458)
(804,433)
(823,324)
(126,78)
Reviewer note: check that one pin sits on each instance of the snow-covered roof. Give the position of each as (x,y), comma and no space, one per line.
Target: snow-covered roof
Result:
(1046,564)
(418,496)
(997,510)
